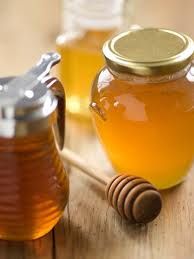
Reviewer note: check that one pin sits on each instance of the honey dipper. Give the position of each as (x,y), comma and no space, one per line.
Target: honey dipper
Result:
(134,198)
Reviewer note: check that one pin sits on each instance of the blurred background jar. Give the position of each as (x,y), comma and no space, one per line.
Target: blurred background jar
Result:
(86,26)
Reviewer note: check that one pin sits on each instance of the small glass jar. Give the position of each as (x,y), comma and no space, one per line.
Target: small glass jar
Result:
(142,105)
(86,27)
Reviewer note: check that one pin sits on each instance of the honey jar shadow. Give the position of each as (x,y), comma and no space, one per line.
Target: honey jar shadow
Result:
(59,242)
(71,240)
(41,247)
(173,190)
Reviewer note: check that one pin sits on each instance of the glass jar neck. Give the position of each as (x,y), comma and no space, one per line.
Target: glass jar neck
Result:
(150,79)
(96,15)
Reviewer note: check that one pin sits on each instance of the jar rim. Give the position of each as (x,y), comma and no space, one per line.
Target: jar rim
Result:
(149,51)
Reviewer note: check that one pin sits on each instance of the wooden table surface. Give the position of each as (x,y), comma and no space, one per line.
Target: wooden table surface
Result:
(91,229)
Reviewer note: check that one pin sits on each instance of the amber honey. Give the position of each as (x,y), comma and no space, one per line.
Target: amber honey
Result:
(146,128)
(81,59)
(142,104)
(33,186)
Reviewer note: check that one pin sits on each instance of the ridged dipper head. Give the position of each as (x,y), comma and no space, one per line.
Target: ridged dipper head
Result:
(134,198)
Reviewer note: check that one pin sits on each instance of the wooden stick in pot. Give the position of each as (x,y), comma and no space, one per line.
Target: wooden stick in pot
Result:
(134,198)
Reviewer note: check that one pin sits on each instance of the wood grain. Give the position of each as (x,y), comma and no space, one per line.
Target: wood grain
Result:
(91,229)
(96,231)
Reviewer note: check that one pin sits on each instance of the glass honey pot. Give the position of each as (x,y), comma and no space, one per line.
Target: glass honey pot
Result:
(142,104)
(33,183)
(86,27)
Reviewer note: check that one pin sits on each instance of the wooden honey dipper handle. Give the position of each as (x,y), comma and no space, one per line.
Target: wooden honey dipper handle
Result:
(134,198)
(86,168)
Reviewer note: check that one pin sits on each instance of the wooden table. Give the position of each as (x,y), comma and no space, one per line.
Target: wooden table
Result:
(91,229)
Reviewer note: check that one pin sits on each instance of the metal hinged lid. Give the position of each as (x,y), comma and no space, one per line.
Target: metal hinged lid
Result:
(26,102)
(36,103)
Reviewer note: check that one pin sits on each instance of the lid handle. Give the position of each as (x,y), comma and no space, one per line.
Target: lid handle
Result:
(44,65)
(16,88)
(58,90)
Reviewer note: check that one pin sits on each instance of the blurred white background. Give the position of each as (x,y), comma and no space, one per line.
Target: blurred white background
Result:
(29,28)
(173,14)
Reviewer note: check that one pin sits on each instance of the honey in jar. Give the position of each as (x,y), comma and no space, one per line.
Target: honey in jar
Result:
(142,103)
(86,27)
(34,186)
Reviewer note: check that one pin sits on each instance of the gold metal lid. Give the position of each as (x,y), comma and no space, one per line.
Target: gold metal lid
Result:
(149,51)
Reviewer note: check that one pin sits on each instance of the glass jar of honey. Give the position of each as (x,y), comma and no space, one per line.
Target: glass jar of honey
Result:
(142,104)
(34,185)
(86,27)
